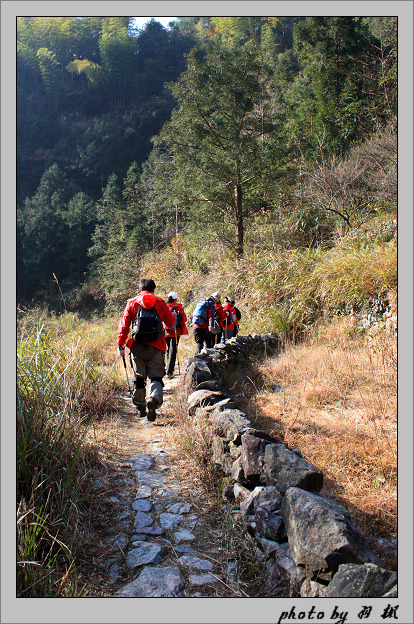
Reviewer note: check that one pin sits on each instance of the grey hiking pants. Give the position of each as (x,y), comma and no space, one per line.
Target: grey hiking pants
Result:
(147,362)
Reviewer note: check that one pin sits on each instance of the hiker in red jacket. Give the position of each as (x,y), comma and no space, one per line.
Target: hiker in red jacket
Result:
(229,322)
(172,336)
(221,318)
(147,358)
(237,321)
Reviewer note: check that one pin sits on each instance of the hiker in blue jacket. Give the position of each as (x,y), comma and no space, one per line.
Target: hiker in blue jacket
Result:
(202,335)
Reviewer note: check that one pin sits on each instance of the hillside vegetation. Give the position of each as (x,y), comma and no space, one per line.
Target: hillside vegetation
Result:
(262,163)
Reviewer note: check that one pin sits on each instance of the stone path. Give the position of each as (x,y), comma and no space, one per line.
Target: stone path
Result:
(158,545)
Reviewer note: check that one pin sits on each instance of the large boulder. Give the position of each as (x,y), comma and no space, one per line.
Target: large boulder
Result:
(200,398)
(247,506)
(210,384)
(321,533)
(198,370)
(312,589)
(284,468)
(361,581)
(236,472)
(251,459)
(221,405)
(229,423)
(269,521)
(253,443)
(221,457)
(261,515)
(240,492)
(285,561)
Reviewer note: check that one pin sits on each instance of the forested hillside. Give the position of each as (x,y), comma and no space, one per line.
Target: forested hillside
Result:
(240,134)
(254,156)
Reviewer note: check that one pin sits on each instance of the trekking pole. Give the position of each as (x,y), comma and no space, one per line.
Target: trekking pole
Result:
(176,346)
(126,373)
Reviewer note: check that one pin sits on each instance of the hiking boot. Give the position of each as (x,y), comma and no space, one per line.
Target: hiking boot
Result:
(142,411)
(151,405)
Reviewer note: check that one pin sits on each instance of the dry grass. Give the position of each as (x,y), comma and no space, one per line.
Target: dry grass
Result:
(335,399)
(223,536)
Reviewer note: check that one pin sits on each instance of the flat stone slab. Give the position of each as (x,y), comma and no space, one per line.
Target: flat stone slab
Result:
(155,582)
(145,553)
(170,520)
(142,461)
(149,478)
(184,536)
(195,562)
(142,520)
(166,492)
(184,548)
(141,504)
(150,530)
(144,491)
(201,579)
(180,508)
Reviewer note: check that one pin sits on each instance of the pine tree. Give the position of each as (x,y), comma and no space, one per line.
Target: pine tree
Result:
(220,136)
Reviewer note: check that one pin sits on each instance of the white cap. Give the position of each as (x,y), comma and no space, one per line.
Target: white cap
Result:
(216,296)
(173,295)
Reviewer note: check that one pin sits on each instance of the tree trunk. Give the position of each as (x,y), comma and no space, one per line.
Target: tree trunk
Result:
(239,220)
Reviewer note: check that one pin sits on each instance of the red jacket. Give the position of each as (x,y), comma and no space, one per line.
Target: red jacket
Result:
(170,333)
(227,307)
(147,300)
(221,314)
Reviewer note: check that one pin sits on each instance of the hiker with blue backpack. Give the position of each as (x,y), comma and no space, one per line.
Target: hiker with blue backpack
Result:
(205,322)
(147,314)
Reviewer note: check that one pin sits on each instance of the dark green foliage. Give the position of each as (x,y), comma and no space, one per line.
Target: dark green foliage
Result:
(90,95)
(53,233)
(253,112)
(339,58)
(220,137)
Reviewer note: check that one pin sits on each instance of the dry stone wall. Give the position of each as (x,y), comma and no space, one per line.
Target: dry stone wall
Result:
(300,532)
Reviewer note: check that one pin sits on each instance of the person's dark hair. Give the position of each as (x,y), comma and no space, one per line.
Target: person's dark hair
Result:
(171,300)
(147,284)
(227,299)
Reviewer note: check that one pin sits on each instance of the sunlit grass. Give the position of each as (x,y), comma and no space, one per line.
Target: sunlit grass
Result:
(334,397)
(60,391)
(281,290)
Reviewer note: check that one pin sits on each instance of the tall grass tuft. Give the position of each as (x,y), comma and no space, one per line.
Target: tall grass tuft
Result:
(57,387)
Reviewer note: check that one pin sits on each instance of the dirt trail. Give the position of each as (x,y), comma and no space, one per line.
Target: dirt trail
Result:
(157,532)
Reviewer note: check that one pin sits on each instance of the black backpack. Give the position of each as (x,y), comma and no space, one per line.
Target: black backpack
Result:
(180,319)
(147,326)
